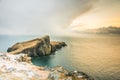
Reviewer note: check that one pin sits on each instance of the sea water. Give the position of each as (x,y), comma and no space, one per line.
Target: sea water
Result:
(96,55)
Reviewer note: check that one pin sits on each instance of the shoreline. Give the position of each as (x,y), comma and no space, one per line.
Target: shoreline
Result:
(17,64)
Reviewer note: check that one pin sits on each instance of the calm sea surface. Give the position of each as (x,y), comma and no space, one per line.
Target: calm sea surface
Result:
(96,55)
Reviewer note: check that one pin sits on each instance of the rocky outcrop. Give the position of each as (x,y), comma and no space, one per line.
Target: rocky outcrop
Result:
(19,67)
(36,47)
(77,75)
(57,45)
(59,73)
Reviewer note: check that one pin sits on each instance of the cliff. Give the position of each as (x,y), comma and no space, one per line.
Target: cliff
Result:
(19,67)
(36,47)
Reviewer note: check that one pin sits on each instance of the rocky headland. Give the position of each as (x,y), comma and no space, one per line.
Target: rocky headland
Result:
(17,65)
(36,47)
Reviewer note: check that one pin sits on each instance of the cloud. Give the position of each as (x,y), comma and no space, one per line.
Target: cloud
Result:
(40,16)
(102,13)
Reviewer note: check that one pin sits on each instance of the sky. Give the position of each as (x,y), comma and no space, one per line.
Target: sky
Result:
(34,17)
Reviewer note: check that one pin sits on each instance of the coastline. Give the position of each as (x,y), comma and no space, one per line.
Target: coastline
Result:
(16,64)
(20,67)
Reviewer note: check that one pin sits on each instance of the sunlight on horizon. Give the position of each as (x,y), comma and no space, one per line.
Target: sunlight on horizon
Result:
(99,16)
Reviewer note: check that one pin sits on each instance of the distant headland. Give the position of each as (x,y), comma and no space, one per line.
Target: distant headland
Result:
(102,30)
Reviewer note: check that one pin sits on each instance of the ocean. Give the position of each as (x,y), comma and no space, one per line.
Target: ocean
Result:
(96,55)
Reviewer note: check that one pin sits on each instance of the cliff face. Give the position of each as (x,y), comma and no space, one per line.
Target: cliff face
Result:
(36,47)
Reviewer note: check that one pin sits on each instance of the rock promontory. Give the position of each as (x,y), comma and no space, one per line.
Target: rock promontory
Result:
(36,47)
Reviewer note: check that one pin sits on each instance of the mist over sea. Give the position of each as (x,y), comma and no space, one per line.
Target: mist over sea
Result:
(96,55)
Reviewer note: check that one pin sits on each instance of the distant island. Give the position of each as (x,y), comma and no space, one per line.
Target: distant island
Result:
(104,30)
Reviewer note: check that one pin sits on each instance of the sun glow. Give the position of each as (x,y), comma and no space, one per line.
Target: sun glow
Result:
(85,21)
(92,21)
(98,16)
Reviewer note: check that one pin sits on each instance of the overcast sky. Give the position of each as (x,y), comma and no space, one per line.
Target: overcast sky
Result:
(55,16)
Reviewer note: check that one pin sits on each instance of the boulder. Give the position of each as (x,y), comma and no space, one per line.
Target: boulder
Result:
(36,47)
(77,75)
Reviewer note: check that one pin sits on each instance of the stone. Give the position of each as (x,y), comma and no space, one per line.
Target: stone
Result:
(59,73)
(77,75)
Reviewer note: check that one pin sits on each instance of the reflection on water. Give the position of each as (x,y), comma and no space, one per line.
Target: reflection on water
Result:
(98,56)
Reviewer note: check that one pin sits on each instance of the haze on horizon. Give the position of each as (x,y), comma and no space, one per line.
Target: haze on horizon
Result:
(56,16)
